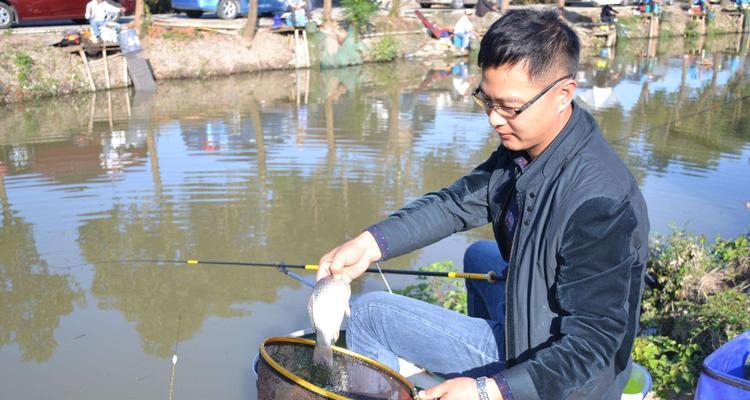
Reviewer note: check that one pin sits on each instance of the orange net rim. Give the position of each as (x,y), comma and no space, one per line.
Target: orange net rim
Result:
(312,387)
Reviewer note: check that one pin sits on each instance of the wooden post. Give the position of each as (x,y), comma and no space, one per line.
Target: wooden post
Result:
(106,66)
(87,68)
(125,80)
(109,111)
(92,114)
(252,21)
(307,48)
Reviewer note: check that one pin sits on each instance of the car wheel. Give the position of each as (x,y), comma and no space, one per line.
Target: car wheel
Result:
(194,13)
(425,5)
(457,3)
(6,16)
(228,9)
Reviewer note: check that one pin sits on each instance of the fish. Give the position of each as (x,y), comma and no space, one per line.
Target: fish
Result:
(328,305)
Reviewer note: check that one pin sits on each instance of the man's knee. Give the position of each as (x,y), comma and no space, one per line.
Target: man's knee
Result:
(481,257)
(362,308)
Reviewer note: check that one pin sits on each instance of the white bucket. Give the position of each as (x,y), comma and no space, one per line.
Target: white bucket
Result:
(638,385)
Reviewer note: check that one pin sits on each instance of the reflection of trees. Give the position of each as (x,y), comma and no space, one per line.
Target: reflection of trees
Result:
(31,299)
(707,129)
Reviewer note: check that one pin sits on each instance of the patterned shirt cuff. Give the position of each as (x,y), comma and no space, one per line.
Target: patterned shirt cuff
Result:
(503,385)
(380,239)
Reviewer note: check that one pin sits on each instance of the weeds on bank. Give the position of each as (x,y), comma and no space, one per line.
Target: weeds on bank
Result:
(386,49)
(23,63)
(448,293)
(701,303)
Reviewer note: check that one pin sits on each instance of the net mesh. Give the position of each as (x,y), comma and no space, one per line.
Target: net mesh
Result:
(351,377)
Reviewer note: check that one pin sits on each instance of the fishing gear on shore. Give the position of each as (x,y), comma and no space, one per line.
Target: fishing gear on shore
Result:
(489,277)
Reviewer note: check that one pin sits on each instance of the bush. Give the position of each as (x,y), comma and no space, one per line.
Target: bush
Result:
(384,50)
(447,293)
(673,366)
(359,12)
(701,303)
(23,63)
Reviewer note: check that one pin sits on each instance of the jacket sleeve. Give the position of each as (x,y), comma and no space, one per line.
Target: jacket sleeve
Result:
(462,206)
(595,260)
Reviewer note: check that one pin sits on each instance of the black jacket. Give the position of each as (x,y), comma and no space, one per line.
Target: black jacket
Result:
(576,264)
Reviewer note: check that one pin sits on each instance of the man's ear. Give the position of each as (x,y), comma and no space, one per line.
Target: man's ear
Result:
(567,93)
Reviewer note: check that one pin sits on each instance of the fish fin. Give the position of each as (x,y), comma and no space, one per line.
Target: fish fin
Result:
(323,354)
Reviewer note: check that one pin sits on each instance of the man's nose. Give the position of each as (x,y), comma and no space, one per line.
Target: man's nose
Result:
(496,120)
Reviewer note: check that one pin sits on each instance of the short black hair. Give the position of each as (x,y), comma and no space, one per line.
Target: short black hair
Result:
(539,39)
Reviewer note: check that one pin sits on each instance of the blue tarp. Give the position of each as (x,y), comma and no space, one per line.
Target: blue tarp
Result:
(723,376)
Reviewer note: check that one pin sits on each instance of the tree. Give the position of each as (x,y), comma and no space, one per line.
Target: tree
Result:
(395,8)
(327,9)
(252,21)
(139,11)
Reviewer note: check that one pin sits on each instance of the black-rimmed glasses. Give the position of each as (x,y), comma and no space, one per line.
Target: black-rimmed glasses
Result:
(510,112)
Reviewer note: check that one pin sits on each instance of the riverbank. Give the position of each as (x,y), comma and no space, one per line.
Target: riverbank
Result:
(35,69)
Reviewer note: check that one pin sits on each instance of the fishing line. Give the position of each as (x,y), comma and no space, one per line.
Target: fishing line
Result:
(174,356)
(377,264)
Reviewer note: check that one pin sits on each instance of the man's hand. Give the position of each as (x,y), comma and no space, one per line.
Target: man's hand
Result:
(351,258)
(460,389)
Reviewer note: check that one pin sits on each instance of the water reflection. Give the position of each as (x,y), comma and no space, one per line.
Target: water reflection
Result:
(281,166)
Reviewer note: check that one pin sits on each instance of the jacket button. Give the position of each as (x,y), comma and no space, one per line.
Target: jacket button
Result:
(532,195)
(526,222)
(529,209)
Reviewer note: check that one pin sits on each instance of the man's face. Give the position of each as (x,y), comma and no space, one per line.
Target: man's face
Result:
(536,126)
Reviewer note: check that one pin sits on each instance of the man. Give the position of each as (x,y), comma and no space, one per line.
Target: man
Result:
(568,218)
(485,6)
(96,13)
(463,31)
(607,16)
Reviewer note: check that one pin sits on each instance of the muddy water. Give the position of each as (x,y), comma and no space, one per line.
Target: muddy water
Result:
(281,167)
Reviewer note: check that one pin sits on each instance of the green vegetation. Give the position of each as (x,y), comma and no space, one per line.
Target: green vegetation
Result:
(384,50)
(702,301)
(448,293)
(23,63)
(359,12)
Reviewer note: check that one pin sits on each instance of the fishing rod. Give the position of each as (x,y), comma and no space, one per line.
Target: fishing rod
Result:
(283,267)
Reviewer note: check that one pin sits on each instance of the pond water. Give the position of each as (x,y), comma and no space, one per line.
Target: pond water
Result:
(281,167)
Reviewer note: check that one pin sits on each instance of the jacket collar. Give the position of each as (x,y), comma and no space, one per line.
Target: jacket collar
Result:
(568,141)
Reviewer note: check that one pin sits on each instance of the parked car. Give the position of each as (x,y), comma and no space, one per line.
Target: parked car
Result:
(15,11)
(225,9)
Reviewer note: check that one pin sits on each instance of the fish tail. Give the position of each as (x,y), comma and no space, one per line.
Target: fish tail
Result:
(323,354)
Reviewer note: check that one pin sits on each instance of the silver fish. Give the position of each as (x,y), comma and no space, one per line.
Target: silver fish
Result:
(328,304)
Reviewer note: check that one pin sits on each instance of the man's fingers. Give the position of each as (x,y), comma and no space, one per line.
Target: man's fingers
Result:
(338,263)
(433,393)
(324,264)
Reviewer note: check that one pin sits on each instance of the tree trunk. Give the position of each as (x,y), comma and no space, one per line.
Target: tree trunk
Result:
(395,8)
(504,6)
(252,21)
(139,11)
(327,10)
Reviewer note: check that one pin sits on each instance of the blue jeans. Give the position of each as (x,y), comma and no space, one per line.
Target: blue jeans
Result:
(95,25)
(386,326)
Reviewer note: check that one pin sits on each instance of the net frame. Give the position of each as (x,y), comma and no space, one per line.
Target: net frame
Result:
(265,357)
